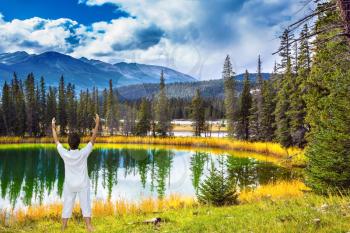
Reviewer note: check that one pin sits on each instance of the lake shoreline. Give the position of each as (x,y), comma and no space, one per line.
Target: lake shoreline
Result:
(291,156)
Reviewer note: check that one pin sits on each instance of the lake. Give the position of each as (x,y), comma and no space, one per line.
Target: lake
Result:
(34,174)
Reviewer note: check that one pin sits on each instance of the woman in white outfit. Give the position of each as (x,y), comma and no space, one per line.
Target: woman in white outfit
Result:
(76,180)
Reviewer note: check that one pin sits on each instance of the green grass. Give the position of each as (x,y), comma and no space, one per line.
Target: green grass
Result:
(310,213)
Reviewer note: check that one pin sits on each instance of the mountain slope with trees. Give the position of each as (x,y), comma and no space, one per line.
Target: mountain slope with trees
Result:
(186,90)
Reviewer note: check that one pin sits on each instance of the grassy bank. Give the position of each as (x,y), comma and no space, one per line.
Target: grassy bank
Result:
(294,155)
(279,211)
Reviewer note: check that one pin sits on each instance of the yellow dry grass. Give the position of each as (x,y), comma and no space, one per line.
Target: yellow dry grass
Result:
(100,208)
(274,191)
(151,205)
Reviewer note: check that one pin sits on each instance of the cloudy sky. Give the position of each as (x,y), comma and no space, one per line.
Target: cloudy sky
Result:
(192,36)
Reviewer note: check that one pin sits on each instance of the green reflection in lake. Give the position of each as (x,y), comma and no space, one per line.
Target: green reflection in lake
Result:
(35,175)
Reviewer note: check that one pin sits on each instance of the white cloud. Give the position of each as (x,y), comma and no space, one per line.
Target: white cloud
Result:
(168,14)
(110,38)
(35,34)
(201,33)
(191,36)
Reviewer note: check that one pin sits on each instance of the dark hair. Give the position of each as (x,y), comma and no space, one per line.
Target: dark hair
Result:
(73,141)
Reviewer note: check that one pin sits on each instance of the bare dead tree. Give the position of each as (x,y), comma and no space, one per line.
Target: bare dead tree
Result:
(323,7)
(310,16)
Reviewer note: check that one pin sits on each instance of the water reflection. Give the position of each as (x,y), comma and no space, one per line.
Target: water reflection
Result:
(35,175)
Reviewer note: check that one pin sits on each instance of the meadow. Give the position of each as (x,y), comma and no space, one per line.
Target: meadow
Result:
(279,207)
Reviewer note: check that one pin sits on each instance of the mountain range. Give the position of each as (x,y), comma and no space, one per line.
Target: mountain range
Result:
(133,80)
(83,72)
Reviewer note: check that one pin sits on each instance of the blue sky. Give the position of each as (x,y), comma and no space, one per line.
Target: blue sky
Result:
(55,9)
(192,36)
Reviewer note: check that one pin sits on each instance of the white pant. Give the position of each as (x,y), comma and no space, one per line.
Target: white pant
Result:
(69,199)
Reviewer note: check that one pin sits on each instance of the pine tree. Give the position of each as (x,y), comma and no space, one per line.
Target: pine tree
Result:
(285,50)
(31,108)
(105,103)
(81,113)
(259,77)
(71,108)
(112,110)
(129,126)
(197,114)
(90,110)
(260,98)
(245,104)
(95,101)
(104,107)
(268,107)
(51,109)
(42,107)
(304,58)
(328,110)
(229,86)
(62,104)
(256,110)
(143,125)
(36,115)
(282,132)
(8,109)
(297,110)
(254,120)
(134,112)
(2,122)
(295,57)
(19,106)
(162,115)
(153,118)
(217,189)
(84,111)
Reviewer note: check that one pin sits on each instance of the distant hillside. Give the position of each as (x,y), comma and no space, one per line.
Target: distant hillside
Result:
(84,73)
(210,88)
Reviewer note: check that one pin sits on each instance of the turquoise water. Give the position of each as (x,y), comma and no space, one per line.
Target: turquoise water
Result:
(36,175)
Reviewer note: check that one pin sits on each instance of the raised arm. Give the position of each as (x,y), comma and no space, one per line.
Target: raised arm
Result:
(54,134)
(94,132)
